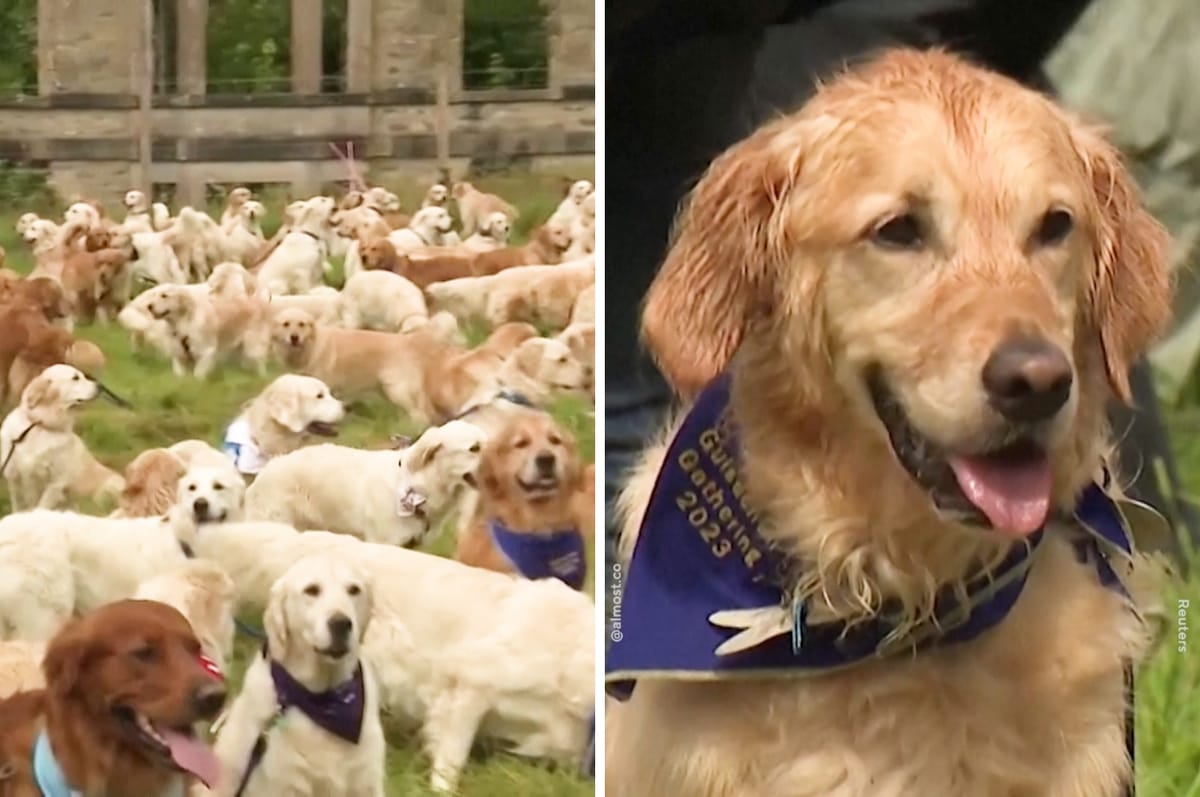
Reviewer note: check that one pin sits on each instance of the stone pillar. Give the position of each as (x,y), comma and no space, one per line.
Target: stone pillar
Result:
(191,46)
(413,39)
(306,46)
(359,40)
(89,48)
(573,44)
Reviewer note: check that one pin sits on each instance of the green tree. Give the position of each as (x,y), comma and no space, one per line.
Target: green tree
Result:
(18,47)
(505,44)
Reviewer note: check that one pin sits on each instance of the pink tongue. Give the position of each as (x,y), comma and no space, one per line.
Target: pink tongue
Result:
(193,755)
(1014,496)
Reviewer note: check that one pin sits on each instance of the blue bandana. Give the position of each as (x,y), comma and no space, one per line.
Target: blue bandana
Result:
(700,568)
(53,783)
(559,554)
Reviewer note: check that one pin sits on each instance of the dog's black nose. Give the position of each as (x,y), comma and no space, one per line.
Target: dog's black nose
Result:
(1027,379)
(340,627)
(544,462)
(295,339)
(200,505)
(208,700)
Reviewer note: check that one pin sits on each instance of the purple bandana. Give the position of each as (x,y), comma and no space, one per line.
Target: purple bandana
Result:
(559,554)
(338,710)
(699,552)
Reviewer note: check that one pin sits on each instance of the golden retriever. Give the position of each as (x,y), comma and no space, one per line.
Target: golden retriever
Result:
(544,248)
(357,361)
(920,291)
(282,418)
(319,611)
(45,463)
(29,344)
(474,206)
(125,686)
(150,484)
(527,520)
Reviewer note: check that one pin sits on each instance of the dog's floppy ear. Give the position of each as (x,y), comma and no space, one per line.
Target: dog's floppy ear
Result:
(40,396)
(66,657)
(286,408)
(421,455)
(528,355)
(729,240)
(1129,289)
(275,620)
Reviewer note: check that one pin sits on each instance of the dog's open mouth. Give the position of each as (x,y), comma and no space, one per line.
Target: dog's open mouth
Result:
(336,651)
(177,746)
(321,428)
(1007,487)
(209,515)
(543,486)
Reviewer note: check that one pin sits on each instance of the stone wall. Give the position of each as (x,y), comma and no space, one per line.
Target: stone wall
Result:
(84,125)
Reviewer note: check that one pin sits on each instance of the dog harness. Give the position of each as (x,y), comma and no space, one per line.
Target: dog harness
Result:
(704,596)
(53,783)
(559,554)
(338,711)
(247,457)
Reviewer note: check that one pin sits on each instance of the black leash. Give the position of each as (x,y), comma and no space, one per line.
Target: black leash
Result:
(19,439)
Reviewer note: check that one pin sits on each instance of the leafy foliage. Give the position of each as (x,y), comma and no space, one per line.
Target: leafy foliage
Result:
(18,47)
(505,44)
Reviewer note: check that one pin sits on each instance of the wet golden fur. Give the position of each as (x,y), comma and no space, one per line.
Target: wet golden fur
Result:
(773,261)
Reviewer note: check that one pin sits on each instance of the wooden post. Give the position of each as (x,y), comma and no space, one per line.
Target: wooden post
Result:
(443,119)
(307,21)
(146,99)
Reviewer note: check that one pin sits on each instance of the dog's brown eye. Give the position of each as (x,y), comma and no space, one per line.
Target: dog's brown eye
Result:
(474,449)
(191,488)
(312,590)
(1054,228)
(522,443)
(320,395)
(554,439)
(353,589)
(145,654)
(218,486)
(899,232)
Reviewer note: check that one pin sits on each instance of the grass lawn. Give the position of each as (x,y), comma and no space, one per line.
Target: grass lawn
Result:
(167,409)
(1168,689)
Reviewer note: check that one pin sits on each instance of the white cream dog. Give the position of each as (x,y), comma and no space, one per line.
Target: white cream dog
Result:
(390,497)
(310,700)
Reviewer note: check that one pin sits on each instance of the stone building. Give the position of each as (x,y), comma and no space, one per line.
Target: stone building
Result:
(86,125)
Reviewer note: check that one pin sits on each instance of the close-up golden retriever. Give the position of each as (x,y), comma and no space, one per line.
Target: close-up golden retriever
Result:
(920,291)
(530,519)
(125,688)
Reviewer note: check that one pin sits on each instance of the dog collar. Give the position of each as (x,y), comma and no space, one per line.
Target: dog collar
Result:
(559,554)
(51,780)
(247,457)
(700,568)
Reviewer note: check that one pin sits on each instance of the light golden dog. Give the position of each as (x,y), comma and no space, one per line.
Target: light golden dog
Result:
(530,480)
(924,287)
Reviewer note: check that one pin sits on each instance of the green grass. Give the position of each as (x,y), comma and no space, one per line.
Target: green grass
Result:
(1168,686)
(167,409)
